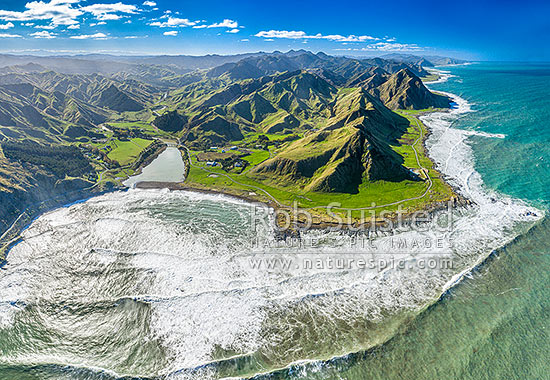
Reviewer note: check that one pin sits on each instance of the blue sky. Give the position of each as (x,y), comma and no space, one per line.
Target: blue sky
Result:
(483,30)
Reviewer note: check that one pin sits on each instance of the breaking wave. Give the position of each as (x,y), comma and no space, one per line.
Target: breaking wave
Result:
(159,284)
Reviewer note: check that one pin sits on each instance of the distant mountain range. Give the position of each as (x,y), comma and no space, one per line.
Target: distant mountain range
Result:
(425,60)
(108,64)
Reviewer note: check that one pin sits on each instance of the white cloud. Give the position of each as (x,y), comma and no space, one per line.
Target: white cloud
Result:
(109,11)
(173,22)
(281,34)
(386,46)
(75,26)
(245,40)
(28,24)
(109,17)
(295,35)
(6,26)
(48,27)
(66,12)
(350,38)
(59,12)
(171,33)
(226,23)
(98,23)
(96,36)
(43,34)
(6,35)
(233,31)
(149,4)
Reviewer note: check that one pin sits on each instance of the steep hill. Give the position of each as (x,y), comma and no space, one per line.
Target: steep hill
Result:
(353,146)
(94,89)
(171,121)
(287,101)
(48,105)
(34,173)
(404,90)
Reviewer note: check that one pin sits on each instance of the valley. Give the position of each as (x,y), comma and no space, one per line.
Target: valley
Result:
(293,129)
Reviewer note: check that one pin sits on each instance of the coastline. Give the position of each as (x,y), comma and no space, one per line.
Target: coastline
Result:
(320,222)
(455,281)
(485,258)
(11,236)
(465,189)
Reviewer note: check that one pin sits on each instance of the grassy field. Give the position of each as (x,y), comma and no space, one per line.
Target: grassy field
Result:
(127,151)
(430,78)
(379,192)
(257,157)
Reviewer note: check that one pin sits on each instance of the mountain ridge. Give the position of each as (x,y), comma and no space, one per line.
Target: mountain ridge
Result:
(333,115)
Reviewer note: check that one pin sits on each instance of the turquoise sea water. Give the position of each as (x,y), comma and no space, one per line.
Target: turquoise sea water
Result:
(155,285)
(514,100)
(495,324)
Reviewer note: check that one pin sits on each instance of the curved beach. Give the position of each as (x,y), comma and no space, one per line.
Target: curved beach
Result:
(172,270)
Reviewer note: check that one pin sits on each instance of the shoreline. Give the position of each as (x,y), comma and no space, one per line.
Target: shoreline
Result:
(324,221)
(320,224)
(529,214)
(11,236)
(9,239)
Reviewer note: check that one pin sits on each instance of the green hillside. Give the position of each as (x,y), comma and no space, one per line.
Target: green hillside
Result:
(286,127)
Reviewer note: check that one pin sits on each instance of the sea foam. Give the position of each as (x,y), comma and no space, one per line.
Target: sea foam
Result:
(171,271)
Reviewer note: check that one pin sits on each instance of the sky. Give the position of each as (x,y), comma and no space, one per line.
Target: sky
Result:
(476,30)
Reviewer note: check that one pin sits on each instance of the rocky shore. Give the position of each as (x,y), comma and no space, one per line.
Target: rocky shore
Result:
(10,234)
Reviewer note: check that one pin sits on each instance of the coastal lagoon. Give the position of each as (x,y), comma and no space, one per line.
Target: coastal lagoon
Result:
(159,284)
(167,167)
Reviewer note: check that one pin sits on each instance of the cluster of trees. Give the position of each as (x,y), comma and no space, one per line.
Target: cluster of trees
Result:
(127,134)
(145,155)
(61,160)
(229,162)
(111,164)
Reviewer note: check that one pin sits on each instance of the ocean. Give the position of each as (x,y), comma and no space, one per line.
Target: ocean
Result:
(158,284)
